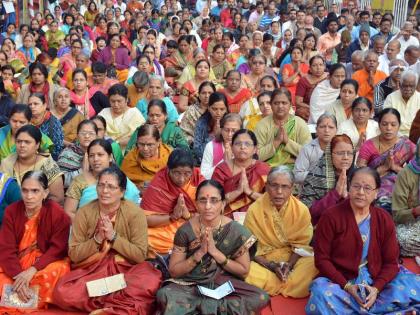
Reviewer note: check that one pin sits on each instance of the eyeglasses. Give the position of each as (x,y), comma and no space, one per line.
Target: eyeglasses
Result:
(366,189)
(87,134)
(344,153)
(246,144)
(146,145)
(102,186)
(212,201)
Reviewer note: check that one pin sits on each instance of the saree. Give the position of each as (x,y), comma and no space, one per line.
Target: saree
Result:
(141,171)
(257,176)
(235,102)
(69,122)
(160,198)
(397,297)
(278,234)
(281,156)
(221,69)
(180,296)
(8,146)
(178,61)
(82,102)
(125,255)
(403,151)
(188,89)
(45,279)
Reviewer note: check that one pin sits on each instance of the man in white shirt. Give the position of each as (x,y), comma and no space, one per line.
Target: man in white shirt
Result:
(392,52)
(291,24)
(412,55)
(406,100)
(405,36)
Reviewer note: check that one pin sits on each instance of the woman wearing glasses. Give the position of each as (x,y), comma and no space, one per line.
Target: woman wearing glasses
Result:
(359,127)
(169,200)
(356,253)
(209,250)
(387,153)
(243,177)
(326,184)
(109,237)
(148,157)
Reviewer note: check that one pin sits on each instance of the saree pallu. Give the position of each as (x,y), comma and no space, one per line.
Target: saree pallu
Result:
(235,102)
(181,296)
(278,234)
(45,279)
(137,298)
(189,90)
(399,296)
(178,61)
(257,176)
(281,157)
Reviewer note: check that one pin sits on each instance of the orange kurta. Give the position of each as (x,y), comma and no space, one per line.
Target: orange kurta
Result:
(365,90)
(45,279)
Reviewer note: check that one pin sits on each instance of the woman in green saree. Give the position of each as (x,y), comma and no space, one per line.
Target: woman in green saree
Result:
(210,250)
(20,115)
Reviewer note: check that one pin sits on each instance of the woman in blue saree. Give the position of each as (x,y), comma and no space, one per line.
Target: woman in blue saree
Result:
(356,253)
(82,190)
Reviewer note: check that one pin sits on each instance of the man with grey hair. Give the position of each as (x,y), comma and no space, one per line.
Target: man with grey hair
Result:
(405,36)
(355,64)
(406,100)
(389,85)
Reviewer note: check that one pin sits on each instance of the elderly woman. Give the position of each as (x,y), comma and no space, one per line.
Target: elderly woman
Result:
(406,206)
(148,157)
(33,242)
(326,92)
(356,273)
(209,250)
(311,153)
(109,237)
(38,75)
(121,120)
(82,189)
(20,115)
(281,135)
(387,153)
(341,108)
(258,70)
(284,262)
(169,200)
(241,175)
(46,122)
(326,183)
(116,56)
(360,127)
(69,116)
(235,94)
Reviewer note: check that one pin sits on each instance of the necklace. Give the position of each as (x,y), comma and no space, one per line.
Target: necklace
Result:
(19,175)
(203,227)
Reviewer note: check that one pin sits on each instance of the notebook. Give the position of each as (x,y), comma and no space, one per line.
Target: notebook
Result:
(106,285)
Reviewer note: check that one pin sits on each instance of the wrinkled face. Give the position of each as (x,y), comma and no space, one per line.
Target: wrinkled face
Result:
(148,146)
(217,110)
(280,106)
(82,62)
(26,147)
(379,47)
(408,87)
(362,190)
(279,188)
(361,113)
(356,64)
(233,82)
(265,105)
(396,74)
(342,156)
(326,130)
(16,121)
(371,62)
(337,78)
(229,130)
(155,89)
(209,203)
(79,82)
(389,126)
(156,116)
(118,104)
(109,192)
(181,175)
(33,194)
(257,39)
(37,107)
(86,135)
(62,100)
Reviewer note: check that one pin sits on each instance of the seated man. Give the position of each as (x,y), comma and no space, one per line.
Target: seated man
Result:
(282,224)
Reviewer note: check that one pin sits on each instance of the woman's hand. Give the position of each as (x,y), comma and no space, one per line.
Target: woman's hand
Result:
(24,293)
(362,140)
(85,163)
(352,290)
(211,246)
(108,228)
(341,186)
(228,155)
(245,183)
(23,279)
(372,296)
(282,270)
(179,208)
(285,136)
(216,127)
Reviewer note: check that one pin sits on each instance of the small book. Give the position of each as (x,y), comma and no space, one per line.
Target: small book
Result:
(10,298)
(239,217)
(219,293)
(106,285)
(303,252)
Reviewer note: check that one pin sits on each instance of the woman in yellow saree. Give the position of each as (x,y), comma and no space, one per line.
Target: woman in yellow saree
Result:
(284,262)
(33,246)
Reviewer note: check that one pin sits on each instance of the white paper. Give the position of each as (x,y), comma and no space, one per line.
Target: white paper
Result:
(219,293)
(8,6)
(303,252)
(239,216)
(106,285)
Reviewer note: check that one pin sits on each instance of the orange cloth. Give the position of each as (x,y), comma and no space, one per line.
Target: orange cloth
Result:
(365,90)
(133,95)
(46,278)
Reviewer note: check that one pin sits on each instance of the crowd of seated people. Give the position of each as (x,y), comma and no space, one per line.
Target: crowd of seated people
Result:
(172,147)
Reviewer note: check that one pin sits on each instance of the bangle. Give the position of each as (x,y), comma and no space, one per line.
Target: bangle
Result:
(225,262)
(96,241)
(114,237)
(188,217)
(347,286)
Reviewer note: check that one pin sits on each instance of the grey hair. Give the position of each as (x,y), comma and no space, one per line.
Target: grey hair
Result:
(326,115)
(197,51)
(367,53)
(357,53)
(59,90)
(281,170)
(158,78)
(37,175)
(409,73)
(397,61)
(140,78)
(379,39)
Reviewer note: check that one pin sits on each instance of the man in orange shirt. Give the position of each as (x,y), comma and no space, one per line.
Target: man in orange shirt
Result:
(328,41)
(369,76)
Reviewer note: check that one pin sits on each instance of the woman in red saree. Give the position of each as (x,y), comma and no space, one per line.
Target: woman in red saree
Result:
(109,237)
(294,71)
(169,200)
(33,245)
(235,94)
(243,178)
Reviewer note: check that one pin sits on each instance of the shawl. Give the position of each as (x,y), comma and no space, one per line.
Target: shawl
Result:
(322,97)
(162,194)
(140,170)
(235,102)
(178,60)
(83,103)
(279,232)
(68,116)
(414,164)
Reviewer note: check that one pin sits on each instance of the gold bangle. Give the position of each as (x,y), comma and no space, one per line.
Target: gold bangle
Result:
(225,262)
(346,287)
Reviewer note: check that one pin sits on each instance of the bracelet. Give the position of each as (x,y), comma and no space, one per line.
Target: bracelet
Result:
(189,216)
(225,262)
(347,286)
(96,241)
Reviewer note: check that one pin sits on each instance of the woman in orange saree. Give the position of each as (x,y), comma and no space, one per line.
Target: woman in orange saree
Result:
(243,178)
(33,246)
(169,200)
